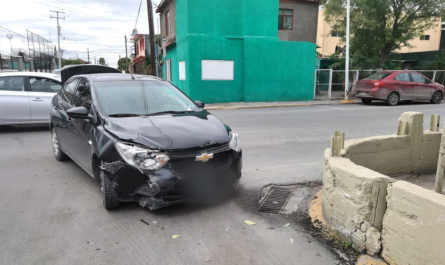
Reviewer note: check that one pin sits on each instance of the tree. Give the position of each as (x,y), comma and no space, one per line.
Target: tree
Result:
(123,63)
(102,61)
(381,27)
(71,61)
(19,52)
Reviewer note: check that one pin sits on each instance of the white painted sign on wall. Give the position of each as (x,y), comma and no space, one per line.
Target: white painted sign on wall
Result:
(182,70)
(217,70)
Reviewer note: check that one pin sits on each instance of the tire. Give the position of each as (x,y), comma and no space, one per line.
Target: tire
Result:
(110,197)
(393,99)
(436,98)
(366,101)
(57,151)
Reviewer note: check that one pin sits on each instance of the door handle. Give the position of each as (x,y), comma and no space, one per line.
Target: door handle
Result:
(37,99)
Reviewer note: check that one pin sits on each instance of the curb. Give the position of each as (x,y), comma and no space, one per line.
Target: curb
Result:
(280,106)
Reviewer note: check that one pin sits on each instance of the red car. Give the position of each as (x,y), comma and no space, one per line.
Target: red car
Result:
(394,87)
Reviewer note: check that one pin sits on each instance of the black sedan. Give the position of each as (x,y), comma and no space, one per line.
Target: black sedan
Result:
(144,140)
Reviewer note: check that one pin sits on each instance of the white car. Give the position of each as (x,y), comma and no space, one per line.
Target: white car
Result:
(25,97)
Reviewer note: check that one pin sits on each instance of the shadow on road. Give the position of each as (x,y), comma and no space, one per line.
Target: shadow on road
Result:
(23,128)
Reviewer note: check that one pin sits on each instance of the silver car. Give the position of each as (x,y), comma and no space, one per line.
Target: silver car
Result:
(25,97)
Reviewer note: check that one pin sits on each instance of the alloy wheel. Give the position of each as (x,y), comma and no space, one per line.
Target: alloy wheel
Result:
(393,99)
(437,98)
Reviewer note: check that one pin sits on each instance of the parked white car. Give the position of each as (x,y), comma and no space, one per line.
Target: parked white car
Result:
(25,97)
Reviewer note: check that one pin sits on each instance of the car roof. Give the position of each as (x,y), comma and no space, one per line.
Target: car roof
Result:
(32,74)
(120,77)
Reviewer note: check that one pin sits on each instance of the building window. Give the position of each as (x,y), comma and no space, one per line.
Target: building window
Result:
(286,19)
(335,34)
(167,23)
(425,37)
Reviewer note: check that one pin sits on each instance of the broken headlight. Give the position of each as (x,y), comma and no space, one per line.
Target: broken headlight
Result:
(141,158)
(234,143)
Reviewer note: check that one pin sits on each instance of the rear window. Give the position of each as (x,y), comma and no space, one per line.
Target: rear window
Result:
(378,76)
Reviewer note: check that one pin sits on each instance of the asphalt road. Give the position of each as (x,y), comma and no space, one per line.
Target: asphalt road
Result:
(51,212)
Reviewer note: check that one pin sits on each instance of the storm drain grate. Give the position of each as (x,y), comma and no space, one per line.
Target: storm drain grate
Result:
(275,200)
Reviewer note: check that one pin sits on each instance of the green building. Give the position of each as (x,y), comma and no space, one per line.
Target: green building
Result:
(229,51)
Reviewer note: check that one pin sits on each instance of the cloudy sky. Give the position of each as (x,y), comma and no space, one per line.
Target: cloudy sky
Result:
(99,25)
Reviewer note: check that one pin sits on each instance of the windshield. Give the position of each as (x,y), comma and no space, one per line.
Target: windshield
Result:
(377,76)
(137,98)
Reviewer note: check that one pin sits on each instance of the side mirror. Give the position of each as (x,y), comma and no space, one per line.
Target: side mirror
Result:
(78,113)
(428,81)
(199,104)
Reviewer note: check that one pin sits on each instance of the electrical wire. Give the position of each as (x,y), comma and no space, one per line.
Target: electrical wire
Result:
(10,31)
(90,8)
(77,12)
(139,11)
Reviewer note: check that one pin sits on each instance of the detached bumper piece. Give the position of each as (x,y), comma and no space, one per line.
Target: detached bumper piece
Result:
(182,179)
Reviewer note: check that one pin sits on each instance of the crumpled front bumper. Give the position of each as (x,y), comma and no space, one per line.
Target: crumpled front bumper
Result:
(161,188)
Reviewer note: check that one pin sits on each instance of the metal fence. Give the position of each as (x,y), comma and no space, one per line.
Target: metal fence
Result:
(10,63)
(41,51)
(330,84)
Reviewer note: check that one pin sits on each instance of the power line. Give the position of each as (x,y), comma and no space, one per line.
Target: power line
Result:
(10,31)
(78,12)
(137,18)
(90,8)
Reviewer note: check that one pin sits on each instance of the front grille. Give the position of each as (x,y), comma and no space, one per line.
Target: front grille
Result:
(198,151)
(189,167)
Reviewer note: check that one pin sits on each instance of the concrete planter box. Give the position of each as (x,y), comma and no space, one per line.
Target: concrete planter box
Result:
(402,221)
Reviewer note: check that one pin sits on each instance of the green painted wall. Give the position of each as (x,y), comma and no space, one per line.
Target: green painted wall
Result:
(246,32)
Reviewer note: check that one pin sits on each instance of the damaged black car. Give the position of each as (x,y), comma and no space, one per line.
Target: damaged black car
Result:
(144,140)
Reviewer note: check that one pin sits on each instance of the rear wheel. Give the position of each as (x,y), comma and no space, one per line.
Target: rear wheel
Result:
(393,99)
(110,197)
(58,153)
(366,101)
(436,98)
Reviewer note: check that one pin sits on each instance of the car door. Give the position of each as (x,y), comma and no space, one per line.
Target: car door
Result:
(14,100)
(41,93)
(65,102)
(422,89)
(79,141)
(404,86)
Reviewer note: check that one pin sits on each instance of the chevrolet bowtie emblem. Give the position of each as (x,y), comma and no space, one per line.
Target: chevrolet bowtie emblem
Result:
(204,157)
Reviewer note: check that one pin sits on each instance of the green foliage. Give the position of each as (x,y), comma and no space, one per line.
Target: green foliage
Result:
(123,63)
(437,64)
(338,63)
(71,62)
(380,27)
(102,61)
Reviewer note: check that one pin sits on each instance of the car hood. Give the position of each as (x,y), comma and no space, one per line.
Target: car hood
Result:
(169,132)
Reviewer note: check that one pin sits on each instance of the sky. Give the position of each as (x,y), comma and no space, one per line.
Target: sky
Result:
(99,25)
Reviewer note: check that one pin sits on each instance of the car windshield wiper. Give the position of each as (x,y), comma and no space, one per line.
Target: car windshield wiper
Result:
(122,115)
(169,112)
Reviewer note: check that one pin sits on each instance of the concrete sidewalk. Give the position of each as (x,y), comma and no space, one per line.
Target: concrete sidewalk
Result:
(252,105)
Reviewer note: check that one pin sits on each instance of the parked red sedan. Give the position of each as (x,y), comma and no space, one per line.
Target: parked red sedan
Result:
(394,87)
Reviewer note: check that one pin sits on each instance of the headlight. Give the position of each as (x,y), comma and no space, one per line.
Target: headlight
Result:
(234,143)
(141,158)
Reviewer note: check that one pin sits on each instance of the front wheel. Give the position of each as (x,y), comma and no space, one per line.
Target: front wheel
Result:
(393,99)
(366,101)
(436,98)
(111,200)
(58,153)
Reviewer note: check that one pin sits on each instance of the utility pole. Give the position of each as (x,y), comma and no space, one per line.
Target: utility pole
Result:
(88,51)
(10,37)
(348,21)
(58,33)
(154,68)
(126,53)
(95,60)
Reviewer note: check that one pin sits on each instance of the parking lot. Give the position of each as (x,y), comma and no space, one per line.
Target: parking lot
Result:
(52,211)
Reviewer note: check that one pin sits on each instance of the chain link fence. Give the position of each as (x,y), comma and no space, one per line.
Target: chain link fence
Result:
(41,52)
(330,84)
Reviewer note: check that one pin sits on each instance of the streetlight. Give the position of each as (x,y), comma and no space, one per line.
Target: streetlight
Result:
(10,37)
(348,18)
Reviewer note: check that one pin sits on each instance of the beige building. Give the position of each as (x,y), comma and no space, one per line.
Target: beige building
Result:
(328,40)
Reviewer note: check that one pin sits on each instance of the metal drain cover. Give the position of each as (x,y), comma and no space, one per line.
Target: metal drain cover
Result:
(275,200)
